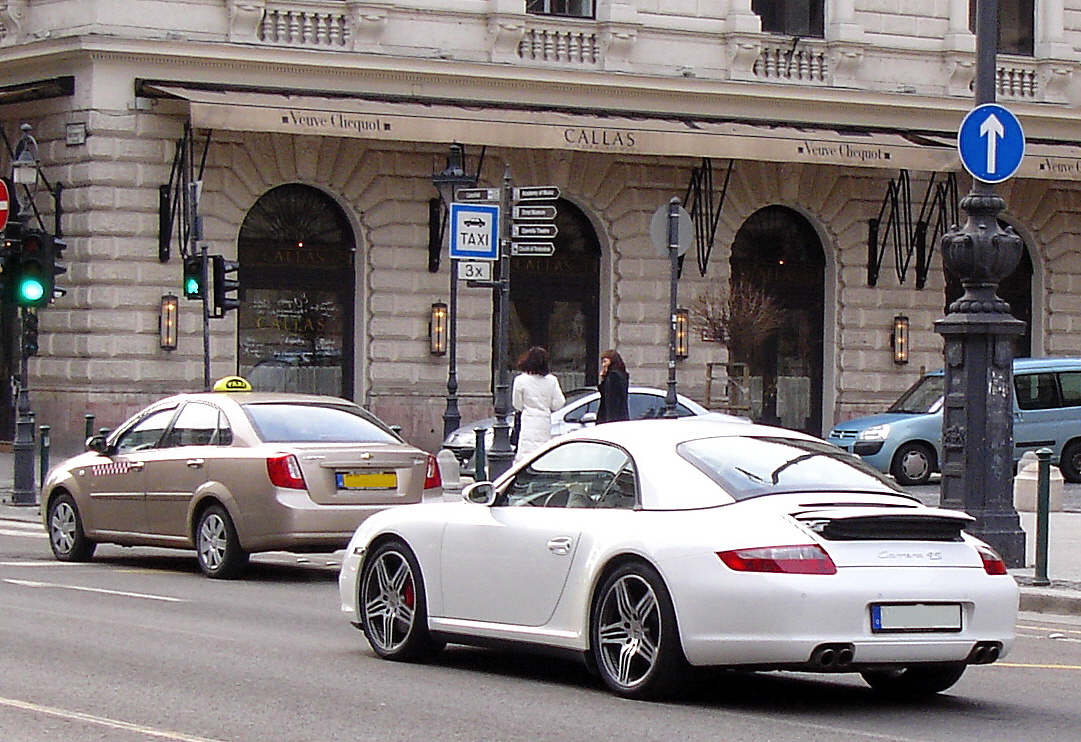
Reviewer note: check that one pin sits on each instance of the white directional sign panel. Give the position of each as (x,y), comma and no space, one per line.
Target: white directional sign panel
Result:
(521,249)
(536,193)
(535,211)
(474,231)
(533,230)
(991,143)
(476,194)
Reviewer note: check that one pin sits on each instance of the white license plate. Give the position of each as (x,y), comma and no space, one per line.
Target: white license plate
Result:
(915,617)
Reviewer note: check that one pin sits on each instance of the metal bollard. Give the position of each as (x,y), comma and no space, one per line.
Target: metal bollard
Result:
(89,426)
(43,454)
(480,458)
(1043,514)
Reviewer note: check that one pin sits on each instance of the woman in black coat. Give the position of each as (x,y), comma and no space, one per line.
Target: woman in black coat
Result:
(613,387)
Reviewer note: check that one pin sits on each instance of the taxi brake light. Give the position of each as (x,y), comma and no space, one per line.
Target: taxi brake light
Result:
(284,471)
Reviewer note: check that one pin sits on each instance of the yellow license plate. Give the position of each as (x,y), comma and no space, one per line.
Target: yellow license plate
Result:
(384,480)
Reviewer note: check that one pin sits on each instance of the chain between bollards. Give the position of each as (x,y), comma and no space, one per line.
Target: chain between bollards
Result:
(1043,515)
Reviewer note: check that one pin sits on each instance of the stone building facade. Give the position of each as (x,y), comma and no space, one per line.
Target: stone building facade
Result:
(315,127)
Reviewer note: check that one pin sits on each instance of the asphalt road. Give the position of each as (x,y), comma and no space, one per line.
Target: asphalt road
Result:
(139,646)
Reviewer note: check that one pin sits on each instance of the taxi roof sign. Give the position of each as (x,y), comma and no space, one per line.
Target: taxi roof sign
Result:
(232,384)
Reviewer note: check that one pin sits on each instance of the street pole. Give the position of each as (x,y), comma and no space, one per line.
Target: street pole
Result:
(501,455)
(447,182)
(452,417)
(23,489)
(26,172)
(673,288)
(979,335)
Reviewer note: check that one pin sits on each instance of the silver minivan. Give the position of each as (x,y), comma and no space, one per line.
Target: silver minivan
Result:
(906,440)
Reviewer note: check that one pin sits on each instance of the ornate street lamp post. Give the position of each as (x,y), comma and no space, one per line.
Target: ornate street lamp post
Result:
(25,172)
(447,183)
(979,335)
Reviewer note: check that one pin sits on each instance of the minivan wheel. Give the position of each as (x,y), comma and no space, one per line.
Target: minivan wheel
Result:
(913,464)
(1070,463)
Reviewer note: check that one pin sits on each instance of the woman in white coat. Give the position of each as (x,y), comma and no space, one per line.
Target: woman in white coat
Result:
(536,395)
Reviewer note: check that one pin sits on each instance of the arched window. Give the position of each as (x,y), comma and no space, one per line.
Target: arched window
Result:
(778,254)
(554,300)
(294,324)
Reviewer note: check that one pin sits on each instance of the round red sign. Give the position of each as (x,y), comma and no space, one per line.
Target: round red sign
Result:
(4,211)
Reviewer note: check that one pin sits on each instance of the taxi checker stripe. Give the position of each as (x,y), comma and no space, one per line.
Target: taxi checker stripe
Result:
(117,467)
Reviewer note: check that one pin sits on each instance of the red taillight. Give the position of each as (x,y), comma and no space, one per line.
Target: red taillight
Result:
(805,559)
(432,477)
(992,562)
(284,471)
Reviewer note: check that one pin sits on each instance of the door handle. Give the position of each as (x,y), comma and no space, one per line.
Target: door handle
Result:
(137,466)
(196,463)
(560,545)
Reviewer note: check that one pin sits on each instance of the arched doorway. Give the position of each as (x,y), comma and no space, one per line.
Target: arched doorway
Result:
(294,324)
(554,300)
(778,252)
(1015,290)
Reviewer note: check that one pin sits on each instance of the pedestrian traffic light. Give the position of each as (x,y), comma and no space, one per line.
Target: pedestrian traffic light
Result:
(30,334)
(32,282)
(225,299)
(55,248)
(194,277)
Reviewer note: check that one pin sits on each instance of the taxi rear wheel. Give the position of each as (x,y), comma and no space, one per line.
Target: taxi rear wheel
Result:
(218,547)
(66,537)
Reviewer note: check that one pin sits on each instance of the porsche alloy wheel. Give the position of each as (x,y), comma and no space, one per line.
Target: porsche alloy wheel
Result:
(394,612)
(218,547)
(66,537)
(916,680)
(635,640)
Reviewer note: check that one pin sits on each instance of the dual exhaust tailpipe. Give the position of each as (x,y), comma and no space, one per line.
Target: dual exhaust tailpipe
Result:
(832,657)
(984,653)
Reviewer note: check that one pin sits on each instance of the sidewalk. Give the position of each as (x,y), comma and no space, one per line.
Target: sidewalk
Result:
(1062,596)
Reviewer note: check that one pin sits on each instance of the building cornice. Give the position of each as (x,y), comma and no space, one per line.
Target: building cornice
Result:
(491,84)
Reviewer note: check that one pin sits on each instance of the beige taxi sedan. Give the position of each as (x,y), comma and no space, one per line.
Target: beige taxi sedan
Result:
(229,474)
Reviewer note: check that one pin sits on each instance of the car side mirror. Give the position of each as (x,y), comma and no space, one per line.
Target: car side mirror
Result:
(589,418)
(479,493)
(97,444)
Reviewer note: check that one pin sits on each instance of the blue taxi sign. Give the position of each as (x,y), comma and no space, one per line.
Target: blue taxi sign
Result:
(474,231)
(991,143)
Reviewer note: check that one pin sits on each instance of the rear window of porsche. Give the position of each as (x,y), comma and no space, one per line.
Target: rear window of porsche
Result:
(748,467)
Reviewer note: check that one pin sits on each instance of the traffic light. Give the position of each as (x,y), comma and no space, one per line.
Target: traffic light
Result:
(225,299)
(30,334)
(194,277)
(32,280)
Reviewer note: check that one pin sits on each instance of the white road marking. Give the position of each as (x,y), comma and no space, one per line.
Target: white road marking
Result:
(102,591)
(102,721)
(25,534)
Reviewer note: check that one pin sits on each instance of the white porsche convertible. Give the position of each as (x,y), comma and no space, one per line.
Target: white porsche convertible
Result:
(651,547)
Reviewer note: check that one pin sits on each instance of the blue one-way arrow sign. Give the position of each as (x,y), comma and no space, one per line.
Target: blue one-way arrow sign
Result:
(991,143)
